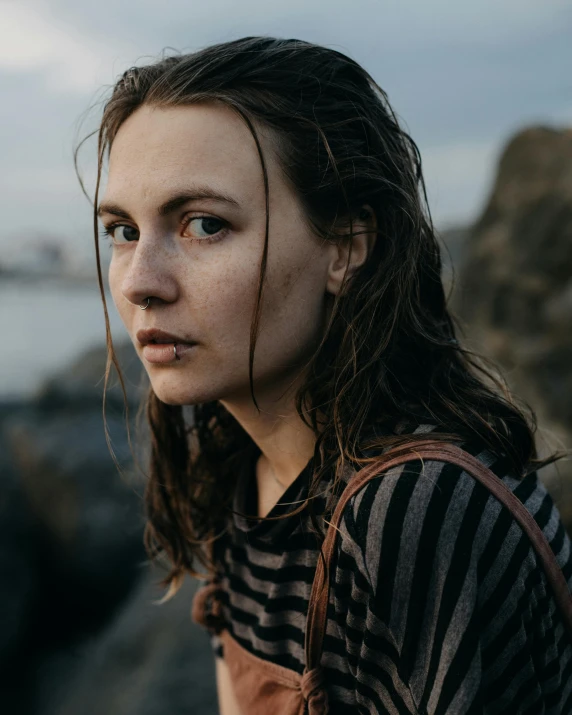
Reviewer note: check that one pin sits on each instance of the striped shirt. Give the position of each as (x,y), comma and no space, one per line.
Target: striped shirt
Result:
(438,603)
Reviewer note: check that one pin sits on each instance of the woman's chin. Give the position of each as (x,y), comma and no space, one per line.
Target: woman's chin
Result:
(176,388)
(174,392)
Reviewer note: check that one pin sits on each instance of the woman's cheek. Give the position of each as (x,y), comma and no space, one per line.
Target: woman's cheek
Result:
(114,279)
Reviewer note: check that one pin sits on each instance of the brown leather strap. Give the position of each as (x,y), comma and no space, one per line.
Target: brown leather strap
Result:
(443,452)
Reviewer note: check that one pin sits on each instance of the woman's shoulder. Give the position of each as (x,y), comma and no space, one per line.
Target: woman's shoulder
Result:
(427,487)
(426,509)
(434,569)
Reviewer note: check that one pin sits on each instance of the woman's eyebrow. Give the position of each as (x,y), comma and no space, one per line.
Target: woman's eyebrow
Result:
(173,203)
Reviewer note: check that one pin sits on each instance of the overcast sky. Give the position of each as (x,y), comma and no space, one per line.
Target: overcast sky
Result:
(462,76)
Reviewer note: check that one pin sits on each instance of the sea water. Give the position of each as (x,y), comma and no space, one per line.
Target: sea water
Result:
(44,326)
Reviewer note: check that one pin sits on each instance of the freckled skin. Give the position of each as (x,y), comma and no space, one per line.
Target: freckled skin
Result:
(207,291)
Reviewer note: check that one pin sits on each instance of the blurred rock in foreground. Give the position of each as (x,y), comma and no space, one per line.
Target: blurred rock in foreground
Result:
(515,290)
(71,558)
(151,660)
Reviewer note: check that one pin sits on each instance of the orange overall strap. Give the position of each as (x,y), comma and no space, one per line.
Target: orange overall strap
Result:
(443,452)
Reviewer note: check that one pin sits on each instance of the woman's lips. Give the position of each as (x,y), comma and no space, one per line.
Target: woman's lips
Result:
(165,353)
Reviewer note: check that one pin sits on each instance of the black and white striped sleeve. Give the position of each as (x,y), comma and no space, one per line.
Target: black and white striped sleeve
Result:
(413,644)
(433,587)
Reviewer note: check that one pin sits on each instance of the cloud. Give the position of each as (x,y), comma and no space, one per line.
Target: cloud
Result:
(387,24)
(437,23)
(33,40)
(462,76)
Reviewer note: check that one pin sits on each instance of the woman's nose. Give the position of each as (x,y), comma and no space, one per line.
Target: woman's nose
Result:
(150,273)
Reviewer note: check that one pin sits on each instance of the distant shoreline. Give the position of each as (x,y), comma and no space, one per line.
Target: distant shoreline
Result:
(24,276)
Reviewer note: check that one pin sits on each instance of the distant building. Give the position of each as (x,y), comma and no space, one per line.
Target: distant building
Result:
(39,256)
(47,256)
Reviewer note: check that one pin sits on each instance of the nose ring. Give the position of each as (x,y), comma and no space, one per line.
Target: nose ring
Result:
(144,307)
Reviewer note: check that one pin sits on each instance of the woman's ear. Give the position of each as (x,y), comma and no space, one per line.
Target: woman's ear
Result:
(364,234)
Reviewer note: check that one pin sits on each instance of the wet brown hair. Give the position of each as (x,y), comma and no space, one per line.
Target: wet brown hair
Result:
(389,353)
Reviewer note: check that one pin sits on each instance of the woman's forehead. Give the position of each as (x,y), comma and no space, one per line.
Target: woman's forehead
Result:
(189,136)
(200,145)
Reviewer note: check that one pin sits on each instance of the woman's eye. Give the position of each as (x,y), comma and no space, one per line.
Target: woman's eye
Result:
(205,226)
(121,233)
(202,229)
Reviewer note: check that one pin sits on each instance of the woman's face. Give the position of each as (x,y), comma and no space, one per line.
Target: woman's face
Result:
(185,203)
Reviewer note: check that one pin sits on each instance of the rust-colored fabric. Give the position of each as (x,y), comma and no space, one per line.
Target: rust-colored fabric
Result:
(260,686)
(263,687)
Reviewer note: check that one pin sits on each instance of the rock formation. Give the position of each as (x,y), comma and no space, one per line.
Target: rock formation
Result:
(514,291)
(78,630)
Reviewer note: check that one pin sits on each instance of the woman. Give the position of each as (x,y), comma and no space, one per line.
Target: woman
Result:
(277,270)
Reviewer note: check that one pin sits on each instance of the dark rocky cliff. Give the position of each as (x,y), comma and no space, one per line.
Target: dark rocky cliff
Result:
(514,289)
